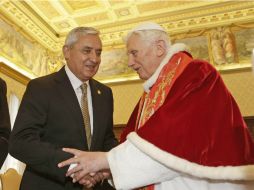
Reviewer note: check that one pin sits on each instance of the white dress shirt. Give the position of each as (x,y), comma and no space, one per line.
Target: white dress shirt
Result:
(76,83)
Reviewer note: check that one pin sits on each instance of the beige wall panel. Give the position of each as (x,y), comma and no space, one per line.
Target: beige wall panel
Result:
(126,96)
(241,85)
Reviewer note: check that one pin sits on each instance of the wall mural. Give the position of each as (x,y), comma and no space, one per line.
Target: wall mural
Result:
(224,47)
(198,47)
(244,44)
(114,63)
(28,55)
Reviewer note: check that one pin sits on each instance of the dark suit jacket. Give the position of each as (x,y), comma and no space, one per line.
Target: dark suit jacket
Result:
(5,125)
(49,119)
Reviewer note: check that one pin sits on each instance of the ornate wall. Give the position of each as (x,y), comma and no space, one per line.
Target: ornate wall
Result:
(26,53)
(226,45)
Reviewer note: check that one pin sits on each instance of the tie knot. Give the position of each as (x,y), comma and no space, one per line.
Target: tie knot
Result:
(83,88)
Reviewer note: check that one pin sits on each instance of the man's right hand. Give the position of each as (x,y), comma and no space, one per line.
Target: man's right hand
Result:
(93,178)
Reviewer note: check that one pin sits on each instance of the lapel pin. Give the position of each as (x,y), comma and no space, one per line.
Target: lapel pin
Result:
(98,92)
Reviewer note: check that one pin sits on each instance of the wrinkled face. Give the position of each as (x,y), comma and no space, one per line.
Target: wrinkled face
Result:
(143,56)
(84,56)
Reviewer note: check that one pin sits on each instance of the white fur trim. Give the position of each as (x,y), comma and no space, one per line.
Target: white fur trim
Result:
(181,165)
(172,51)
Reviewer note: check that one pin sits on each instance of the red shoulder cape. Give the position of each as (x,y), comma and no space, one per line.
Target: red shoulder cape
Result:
(199,121)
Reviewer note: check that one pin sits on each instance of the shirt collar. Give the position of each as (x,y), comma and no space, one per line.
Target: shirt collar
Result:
(173,50)
(75,81)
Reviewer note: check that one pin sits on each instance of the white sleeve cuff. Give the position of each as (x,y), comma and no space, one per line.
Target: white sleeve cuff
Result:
(131,168)
(70,167)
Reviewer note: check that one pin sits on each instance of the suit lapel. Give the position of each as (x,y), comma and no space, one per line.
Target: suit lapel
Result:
(96,94)
(70,100)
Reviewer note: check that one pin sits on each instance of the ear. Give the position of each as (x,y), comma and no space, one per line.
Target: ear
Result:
(66,51)
(161,48)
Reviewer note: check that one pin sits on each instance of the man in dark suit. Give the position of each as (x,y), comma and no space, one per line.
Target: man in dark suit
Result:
(50,115)
(5,125)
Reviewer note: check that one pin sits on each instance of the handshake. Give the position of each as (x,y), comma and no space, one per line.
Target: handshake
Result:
(86,168)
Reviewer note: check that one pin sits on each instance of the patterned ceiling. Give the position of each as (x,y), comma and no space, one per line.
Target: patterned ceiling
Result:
(49,21)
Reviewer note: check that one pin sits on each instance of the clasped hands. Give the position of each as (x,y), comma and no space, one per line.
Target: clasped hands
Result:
(89,167)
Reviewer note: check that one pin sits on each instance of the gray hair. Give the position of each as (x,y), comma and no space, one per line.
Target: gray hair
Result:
(75,33)
(151,36)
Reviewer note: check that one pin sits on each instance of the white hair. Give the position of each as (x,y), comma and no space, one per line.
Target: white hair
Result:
(75,33)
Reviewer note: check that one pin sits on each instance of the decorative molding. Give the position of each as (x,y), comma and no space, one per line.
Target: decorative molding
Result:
(13,74)
(190,25)
(175,16)
(28,22)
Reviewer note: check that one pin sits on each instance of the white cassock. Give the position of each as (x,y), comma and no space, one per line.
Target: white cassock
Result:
(214,148)
(132,168)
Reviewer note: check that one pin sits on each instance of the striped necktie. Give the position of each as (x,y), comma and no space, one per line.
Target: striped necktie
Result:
(85,113)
